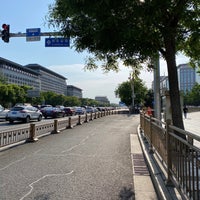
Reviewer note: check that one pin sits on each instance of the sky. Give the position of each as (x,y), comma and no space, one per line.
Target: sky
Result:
(23,14)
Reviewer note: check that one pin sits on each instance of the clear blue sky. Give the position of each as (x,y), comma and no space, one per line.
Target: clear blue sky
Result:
(23,14)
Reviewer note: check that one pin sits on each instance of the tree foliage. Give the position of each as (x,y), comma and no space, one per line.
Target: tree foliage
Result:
(193,97)
(11,94)
(133,31)
(124,92)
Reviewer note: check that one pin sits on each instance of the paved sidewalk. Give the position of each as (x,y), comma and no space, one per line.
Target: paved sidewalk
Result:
(192,123)
(143,185)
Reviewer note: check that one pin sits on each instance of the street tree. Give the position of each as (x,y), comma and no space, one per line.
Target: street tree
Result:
(193,97)
(124,92)
(134,31)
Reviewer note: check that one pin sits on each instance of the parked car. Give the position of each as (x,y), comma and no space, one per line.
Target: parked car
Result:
(3,112)
(89,109)
(24,113)
(52,112)
(69,111)
(80,111)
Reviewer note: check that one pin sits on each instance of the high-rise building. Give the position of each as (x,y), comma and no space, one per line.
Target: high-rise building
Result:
(187,77)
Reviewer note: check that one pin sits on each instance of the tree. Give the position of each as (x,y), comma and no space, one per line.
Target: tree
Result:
(133,31)
(124,92)
(193,97)
(10,94)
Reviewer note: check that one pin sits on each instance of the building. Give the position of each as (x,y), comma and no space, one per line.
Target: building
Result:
(33,75)
(187,77)
(74,91)
(164,84)
(49,80)
(102,99)
(18,74)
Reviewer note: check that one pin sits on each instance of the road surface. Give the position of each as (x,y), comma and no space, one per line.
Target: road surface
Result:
(88,162)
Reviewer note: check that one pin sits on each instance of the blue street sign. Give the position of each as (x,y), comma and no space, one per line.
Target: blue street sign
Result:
(32,32)
(57,42)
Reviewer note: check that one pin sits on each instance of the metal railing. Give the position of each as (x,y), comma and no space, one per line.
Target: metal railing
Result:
(35,130)
(180,158)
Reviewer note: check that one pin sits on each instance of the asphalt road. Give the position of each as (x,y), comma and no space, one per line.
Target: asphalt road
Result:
(88,162)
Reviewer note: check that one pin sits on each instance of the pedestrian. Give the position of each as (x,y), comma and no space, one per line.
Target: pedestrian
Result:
(185,110)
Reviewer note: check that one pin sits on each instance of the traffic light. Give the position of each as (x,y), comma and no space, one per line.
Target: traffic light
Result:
(5,33)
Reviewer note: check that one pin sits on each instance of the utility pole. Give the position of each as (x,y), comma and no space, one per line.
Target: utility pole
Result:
(157,103)
(131,78)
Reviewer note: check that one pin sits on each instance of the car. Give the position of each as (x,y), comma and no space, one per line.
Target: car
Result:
(24,113)
(80,111)
(52,112)
(89,109)
(69,111)
(3,112)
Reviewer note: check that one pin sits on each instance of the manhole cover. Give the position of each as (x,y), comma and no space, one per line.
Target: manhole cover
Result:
(139,165)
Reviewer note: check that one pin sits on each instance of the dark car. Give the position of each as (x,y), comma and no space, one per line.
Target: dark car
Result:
(69,111)
(52,112)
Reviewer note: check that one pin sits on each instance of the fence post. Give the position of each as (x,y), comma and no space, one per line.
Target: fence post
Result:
(70,123)
(55,127)
(169,159)
(86,118)
(91,117)
(151,136)
(32,137)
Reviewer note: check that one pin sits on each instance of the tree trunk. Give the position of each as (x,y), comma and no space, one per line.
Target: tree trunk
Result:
(177,118)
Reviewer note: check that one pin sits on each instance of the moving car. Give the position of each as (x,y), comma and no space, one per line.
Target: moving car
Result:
(24,113)
(3,112)
(52,112)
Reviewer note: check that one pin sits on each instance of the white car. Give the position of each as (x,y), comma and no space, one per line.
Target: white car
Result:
(24,113)
(3,112)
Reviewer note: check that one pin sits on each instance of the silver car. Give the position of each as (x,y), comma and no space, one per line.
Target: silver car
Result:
(24,113)
(3,112)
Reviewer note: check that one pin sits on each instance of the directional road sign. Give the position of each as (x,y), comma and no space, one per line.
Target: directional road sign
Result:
(57,42)
(32,34)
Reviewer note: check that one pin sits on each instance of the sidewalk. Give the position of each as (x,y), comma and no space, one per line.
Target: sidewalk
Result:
(152,185)
(192,122)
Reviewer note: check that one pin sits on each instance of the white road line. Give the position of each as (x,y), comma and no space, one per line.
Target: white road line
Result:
(48,175)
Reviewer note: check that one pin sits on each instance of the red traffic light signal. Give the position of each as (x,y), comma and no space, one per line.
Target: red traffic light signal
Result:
(5,32)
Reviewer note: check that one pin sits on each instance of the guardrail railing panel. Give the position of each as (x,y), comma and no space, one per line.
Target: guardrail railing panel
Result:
(181,157)
(44,128)
(13,136)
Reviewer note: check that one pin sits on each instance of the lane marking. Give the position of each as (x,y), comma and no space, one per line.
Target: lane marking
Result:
(43,177)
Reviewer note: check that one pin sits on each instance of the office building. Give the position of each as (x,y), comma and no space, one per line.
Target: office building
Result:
(33,75)
(102,99)
(17,74)
(49,80)
(187,77)
(74,91)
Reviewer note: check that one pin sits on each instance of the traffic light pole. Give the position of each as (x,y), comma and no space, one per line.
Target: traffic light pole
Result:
(41,34)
